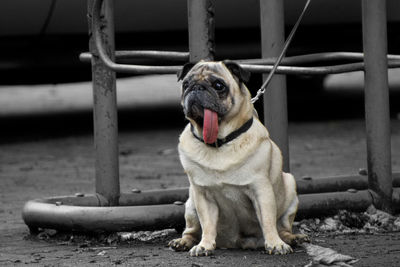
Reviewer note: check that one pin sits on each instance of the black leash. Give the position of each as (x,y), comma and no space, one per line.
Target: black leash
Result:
(262,89)
(229,137)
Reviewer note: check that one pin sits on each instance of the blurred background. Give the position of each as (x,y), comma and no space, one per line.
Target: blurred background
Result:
(42,79)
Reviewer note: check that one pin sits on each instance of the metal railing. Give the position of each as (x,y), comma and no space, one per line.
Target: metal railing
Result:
(378,189)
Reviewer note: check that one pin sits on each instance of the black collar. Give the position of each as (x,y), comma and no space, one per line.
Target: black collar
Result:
(229,137)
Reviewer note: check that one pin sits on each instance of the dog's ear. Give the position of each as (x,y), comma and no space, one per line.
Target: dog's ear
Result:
(239,72)
(185,69)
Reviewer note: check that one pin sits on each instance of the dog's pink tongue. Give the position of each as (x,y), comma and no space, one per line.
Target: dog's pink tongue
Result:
(210,126)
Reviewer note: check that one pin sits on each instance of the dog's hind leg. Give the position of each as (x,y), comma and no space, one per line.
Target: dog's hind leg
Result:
(285,222)
(192,232)
(284,226)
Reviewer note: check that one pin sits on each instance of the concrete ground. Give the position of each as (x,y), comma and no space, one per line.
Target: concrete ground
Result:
(53,156)
(40,167)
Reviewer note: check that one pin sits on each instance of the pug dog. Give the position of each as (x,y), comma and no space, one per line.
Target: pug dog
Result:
(239,197)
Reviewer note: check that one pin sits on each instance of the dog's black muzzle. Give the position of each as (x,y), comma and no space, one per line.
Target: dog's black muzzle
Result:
(199,97)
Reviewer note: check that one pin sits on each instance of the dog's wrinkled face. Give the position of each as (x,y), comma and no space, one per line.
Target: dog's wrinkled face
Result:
(210,91)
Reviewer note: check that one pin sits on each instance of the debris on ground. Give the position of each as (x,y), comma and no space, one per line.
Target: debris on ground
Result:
(46,234)
(348,222)
(322,256)
(102,253)
(344,222)
(145,235)
(102,241)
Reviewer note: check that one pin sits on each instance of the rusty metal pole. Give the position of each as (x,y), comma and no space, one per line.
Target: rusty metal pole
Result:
(105,110)
(275,100)
(377,102)
(201,29)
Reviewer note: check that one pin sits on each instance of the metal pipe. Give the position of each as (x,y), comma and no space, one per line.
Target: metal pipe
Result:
(105,107)
(37,214)
(155,197)
(317,205)
(324,204)
(201,29)
(293,60)
(312,58)
(335,184)
(377,101)
(56,214)
(275,102)
(147,54)
(141,198)
(293,70)
(322,70)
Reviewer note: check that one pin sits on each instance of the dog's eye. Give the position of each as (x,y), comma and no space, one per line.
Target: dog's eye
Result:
(185,85)
(218,86)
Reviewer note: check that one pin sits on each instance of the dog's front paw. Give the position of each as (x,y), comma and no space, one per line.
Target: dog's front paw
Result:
(202,250)
(279,248)
(181,244)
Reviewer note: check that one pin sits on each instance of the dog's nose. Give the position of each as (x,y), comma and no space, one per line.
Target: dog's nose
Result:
(199,87)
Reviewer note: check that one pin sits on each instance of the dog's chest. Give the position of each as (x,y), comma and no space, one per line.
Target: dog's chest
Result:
(204,173)
(207,177)
(232,193)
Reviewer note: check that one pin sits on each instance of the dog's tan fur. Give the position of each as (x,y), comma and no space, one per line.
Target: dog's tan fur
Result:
(238,197)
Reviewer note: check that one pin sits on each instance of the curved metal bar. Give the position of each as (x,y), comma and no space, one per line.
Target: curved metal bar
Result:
(123,68)
(149,197)
(293,60)
(38,214)
(393,62)
(52,214)
(153,209)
